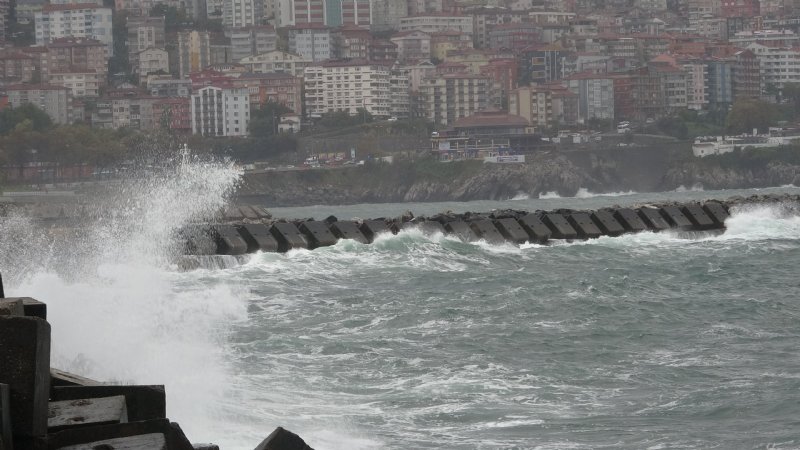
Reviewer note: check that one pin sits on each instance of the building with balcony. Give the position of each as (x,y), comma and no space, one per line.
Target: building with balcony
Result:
(220,111)
(80,20)
(342,85)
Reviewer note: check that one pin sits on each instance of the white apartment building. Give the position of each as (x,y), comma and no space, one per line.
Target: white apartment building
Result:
(447,98)
(696,84)
(778,65)
(311,43)
(595,95)
(81,83)
(152,60)
(276,61)
(251,41)
(350,85)
(74,20)
(54,100)
(221,111)
(241,13)
(434,23)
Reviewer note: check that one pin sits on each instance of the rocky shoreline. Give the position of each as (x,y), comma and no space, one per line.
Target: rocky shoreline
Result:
(564,174)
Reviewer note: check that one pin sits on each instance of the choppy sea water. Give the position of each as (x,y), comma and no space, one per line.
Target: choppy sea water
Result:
(642,341)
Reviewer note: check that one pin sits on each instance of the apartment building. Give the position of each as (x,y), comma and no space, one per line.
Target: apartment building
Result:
(144,33)
(412,45)
(242,13)
(283,88)
(194,52)
(447,98)
(386,14)
(251,41)
(82,20)
(276,61)
(341,85)
(56,101)
(81,84)
(310,42)
(433,23)
(152,60)
(221,110)
(595,95)
(777,65)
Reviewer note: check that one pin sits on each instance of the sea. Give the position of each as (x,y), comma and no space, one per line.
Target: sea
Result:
(645,341)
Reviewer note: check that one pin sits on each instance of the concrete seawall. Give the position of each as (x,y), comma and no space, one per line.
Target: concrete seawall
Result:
(238,236)
(43,408)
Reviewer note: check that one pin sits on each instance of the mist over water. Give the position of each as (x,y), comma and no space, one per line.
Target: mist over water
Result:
(651,340)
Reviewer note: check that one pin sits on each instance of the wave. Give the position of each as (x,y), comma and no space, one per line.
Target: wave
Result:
(520,196)
(548,195)
(697,187)
(585,193)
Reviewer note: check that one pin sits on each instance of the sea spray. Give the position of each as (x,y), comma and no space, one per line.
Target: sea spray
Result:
(118,311)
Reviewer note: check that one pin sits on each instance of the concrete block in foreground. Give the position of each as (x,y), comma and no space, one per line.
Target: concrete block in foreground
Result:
(61,378)
(511,230)
(372,228)
(5,417)
(142,402)
(175,438)
(486,230)
(257,237)
(288,236)
(717,212)
(584,226)
(431,227)
(11,307)
(676,218)
(282,439)
(654,219)
(153,441)
(348,230)
(559,226)
(698,217)
(86,412)
(25,367)
(607,224)
(317,234)
(461,230)
(229,241)
(536,229)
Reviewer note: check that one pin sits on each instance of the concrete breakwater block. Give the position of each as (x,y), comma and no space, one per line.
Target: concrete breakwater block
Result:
(141,402)
(606,223)
(717,212)
(428,227)
(698,217)
(372,228)
(62,378)
(348,230)
(511,230)
(536,229)
(257,237)
(629,220)
(486,230)
(12,307)
(461,230)
(153,441)
(317,234)
(559,226)
(288,236)
(676,218)
(584,226)
(175,438)
(282,439)
(653,218)
(229,241)
(25,367)
(86,412)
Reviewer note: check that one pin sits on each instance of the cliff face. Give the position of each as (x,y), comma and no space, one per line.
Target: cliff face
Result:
(637,169)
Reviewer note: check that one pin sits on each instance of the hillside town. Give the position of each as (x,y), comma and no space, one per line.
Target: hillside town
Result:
(504,67)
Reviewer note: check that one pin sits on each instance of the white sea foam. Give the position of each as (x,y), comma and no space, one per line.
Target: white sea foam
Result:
(520,196)
(585,193)
(697,187)
(548,195)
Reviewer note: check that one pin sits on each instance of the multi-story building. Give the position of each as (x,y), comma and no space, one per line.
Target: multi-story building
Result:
(696,84)
(444,42)
(382,50)
(252,41)
(412,45)
(340,85)
(152,60)
(778,65)
(283,88)
(174,114)
(533,103)
(299,12)
(542,64)
(276,61)
(432,23)
(447,98)
(350,41)
(56,101)
(80,83)
(595,95)
(485,18)
(5,15)
(770,38)
(17,67)
(83,20)
(143,33)
(221,111)
(720,81)
(310,42)
(386,14)
(242,13)
(347,12)
(399,93)
(166,86)
(740,8)
(81,54)
(514,36)
(194,51)
(746,75)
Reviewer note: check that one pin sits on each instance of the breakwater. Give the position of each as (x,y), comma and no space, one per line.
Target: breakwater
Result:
(43,408)
(238,235)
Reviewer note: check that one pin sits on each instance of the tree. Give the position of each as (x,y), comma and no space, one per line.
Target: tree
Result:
(11,117)
(264,121)
(747,114)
